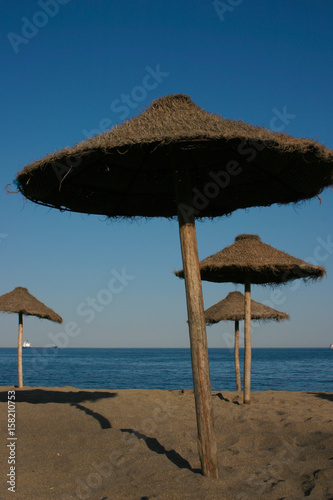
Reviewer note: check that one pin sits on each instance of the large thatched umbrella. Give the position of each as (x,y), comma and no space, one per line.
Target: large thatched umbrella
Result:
(247,261)
(20,301)
(232,308)
(176,160)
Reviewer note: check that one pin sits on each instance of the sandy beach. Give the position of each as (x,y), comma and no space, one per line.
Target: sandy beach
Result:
(141,444)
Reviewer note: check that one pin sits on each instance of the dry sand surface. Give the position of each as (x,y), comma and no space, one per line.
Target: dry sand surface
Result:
(141,444)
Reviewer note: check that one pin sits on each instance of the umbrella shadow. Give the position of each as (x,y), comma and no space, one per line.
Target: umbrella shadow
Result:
(42,396)
(104,422)
(222,398)
(154,445)
(322,395)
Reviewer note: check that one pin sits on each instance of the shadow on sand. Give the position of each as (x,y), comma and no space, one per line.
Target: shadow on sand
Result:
(154,445)
(322,395)
(44,396)
(104,422)
(222,398)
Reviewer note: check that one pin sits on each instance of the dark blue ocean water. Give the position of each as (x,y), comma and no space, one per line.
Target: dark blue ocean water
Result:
(276,369)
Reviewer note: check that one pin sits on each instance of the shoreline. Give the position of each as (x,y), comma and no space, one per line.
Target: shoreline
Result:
(112,389)
(162,348)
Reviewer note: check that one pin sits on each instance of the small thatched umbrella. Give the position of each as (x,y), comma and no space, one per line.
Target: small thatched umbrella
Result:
(177,160)
(248,261)
(232,308)
(22,302)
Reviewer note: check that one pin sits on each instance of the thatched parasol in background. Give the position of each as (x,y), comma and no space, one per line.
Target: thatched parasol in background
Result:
(20,301)
(176,160)
(247,261)
(232,308)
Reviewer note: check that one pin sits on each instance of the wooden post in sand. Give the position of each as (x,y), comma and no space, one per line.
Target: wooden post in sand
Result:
(237,364)
(197,328)
(19,351)
(247,342)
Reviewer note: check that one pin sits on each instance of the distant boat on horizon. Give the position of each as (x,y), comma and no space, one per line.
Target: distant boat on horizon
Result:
(26,344)
(331,346)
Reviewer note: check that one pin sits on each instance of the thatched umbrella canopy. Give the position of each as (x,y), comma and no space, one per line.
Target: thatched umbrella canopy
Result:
(247,261)
(177,160)
(20,301)
(263,263)
(129,170)
(232,308)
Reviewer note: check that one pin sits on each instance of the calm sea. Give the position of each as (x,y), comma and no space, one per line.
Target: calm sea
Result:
(277,369)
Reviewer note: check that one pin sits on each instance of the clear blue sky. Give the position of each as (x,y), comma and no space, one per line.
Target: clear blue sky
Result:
(65,67)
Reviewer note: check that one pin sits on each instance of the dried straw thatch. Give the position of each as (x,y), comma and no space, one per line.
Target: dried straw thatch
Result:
(21,301)
(128,171)
(172,159)
(232,309)
(247,261)
(261,262)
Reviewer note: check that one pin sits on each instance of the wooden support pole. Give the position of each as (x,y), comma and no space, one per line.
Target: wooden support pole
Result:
(19,351)
(237,364)
(247,342)
(197,329)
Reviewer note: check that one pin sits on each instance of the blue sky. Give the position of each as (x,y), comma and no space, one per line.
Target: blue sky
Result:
(66,67)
